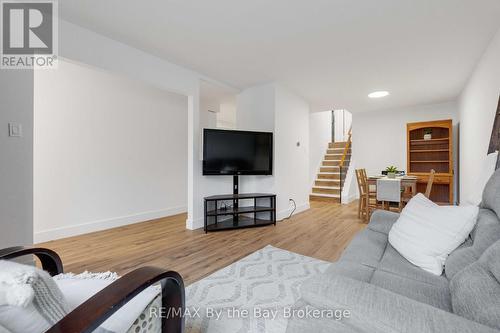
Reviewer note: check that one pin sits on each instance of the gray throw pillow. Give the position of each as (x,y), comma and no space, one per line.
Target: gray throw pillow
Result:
(30,300)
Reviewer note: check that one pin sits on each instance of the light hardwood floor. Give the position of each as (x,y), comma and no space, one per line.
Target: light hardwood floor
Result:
(321,232)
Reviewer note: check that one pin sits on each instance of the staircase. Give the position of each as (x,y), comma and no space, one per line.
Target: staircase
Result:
(328,184)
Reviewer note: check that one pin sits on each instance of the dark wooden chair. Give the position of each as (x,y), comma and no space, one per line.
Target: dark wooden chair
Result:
(93,312)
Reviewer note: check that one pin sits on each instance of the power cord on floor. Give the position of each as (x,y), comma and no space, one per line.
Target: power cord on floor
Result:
(293,210)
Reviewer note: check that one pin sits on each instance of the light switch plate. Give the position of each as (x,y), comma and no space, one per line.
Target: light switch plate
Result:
(15,130)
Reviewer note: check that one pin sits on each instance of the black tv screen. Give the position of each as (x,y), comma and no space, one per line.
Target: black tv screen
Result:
(228,152)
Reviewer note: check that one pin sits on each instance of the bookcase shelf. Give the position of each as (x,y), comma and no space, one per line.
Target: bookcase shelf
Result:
(429,140)
(432,153)
(427,150)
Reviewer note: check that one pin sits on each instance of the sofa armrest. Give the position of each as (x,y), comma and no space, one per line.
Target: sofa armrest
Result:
(374,309)
(92,313)
(382,221)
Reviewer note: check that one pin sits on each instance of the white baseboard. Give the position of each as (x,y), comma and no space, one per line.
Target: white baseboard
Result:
(286,212)
(199,223)
(349,199)
(84,228)
(195,224)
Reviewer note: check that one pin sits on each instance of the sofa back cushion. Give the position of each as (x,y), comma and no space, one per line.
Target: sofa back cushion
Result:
(485,233)
(491,194)
(475,291)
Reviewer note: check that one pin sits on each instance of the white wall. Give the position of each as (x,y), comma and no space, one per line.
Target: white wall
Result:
(255,111)
(291,151)
(477,106)
(16,166)
(208,119)
(379,138)
(272,108)
(343,122)
(256,108)
(320,134)
(108,151)
(218,113)
(87,47)
(226,118)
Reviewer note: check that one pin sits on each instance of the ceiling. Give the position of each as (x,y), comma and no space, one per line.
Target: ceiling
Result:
(331,52)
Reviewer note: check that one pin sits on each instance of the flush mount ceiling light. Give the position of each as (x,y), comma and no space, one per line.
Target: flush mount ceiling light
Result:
(378,94)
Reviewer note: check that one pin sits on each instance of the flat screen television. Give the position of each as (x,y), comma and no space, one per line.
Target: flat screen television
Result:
(227,152)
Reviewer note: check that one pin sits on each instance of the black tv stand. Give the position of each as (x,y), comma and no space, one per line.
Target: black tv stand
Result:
(236,191)
(261,213)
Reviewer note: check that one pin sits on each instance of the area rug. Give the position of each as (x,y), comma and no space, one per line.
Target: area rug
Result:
(254,294)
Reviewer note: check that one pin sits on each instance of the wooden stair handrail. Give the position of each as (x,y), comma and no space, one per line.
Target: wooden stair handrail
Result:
(346,148)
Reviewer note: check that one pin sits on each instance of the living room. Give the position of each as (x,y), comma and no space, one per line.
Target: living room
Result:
(226,158)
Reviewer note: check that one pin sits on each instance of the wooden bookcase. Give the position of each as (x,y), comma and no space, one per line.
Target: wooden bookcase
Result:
(436,153)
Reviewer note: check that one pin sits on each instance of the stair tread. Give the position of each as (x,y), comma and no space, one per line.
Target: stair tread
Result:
(327,187)
(325,195)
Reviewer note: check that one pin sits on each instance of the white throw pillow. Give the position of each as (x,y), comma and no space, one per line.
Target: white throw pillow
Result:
(30,300)
(425,233)
(77,289)
(488,168)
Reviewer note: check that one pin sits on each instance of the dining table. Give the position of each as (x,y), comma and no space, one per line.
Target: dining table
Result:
(407,183)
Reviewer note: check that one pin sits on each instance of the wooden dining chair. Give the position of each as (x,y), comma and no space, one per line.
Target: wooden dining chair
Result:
(428,189)
(359,178)
(367,197)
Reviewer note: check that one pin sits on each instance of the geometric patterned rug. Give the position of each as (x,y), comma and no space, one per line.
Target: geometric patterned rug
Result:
(254,294)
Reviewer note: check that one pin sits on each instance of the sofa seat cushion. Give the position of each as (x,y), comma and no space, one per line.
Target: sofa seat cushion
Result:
(475,291)
(437,296)
(485,233)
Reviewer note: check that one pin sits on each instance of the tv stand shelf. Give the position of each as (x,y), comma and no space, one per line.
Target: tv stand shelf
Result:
(248,216)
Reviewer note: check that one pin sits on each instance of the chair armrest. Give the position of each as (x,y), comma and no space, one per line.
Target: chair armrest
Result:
(93,312)
(51,262)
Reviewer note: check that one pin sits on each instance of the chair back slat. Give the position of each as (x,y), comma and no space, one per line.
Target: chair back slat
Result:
(362,181)
(428,189)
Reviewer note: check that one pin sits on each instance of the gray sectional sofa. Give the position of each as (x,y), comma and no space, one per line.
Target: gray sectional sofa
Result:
(385,293)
